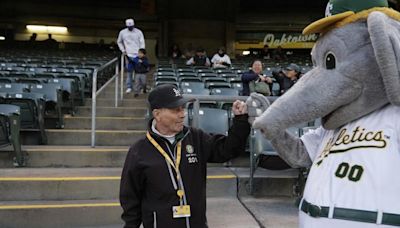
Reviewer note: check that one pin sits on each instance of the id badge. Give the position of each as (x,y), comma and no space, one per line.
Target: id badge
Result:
(181,211)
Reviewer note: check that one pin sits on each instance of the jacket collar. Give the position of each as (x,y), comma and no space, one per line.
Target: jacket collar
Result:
(178,137)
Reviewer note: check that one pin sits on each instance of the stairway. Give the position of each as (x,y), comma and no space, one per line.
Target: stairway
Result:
(69,184)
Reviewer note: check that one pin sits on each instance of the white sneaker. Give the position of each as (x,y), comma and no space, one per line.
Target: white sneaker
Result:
(129,90)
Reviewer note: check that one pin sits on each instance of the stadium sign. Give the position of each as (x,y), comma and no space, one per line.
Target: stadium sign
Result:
(246,40)
(290,40)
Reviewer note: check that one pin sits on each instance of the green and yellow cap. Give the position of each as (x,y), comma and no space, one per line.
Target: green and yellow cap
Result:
(341,12)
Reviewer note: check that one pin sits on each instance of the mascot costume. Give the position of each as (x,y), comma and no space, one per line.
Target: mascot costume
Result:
(354,157)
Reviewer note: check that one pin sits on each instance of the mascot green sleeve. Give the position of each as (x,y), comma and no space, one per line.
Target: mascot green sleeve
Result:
(354,158)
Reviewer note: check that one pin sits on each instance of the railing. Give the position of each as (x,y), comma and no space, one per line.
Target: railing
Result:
(122,73)
(96,92)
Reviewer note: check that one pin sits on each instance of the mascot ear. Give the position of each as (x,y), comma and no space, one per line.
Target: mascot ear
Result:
(385,38)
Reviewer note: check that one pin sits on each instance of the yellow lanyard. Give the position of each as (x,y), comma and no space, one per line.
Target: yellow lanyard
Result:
(176,164)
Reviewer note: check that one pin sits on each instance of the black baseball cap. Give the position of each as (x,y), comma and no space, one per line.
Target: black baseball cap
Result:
(166,96)
(294,67)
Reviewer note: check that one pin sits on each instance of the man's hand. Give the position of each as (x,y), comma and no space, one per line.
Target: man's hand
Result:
(268,80)
(239,108)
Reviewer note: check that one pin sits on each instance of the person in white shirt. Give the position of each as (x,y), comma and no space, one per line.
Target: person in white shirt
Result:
(220,59)
(130,40)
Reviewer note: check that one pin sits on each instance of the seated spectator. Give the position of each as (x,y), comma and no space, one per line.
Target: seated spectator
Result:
(175,52)
(50,42)
(253,75)
(286,78)
(199,59)
(279,54)
(33,37)
(220,59)
(265,53)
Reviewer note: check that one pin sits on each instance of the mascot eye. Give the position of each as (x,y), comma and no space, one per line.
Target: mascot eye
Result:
(330,61)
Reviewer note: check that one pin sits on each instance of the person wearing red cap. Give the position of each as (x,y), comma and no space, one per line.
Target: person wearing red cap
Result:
(163,181)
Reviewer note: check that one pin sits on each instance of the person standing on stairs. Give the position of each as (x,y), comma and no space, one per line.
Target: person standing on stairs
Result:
(140,65)
(129,41)
(163,182)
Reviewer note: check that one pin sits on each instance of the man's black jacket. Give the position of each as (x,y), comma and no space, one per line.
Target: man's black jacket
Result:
(146,192)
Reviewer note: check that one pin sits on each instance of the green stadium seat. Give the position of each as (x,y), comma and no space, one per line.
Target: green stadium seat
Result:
(32,107)
(214,121)
(14,87)
(54,101)
(9,132)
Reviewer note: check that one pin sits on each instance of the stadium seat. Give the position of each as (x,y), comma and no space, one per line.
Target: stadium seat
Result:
(44,75)
(166,78)
(54,101)
(204,70)
(191,85)
(196,91)
(80,83)
(224,92)
(187,74)
(175,83)
(70,92)
(211,85)
(14,87)
(213,120)
(165,73)
(7,80)
(32,111)
(9,131)
(189,79)
(165,69)
(228,75)
(208,74)
(213,79)
(18,75)
(223,71)
(185,70)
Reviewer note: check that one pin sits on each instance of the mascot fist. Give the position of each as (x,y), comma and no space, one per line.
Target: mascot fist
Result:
(256,105)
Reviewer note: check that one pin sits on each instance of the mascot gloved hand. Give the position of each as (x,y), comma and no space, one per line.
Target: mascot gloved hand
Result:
(354,157)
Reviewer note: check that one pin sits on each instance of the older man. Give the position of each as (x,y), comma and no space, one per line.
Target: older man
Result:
(163,182)
(130,40)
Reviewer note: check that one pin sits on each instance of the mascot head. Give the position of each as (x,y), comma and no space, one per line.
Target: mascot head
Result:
(356,68)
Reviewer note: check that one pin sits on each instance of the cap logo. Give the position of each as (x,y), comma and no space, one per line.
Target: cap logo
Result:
(328,10)
(177,92)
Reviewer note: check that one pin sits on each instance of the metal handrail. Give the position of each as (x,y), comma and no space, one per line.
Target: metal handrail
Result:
(122,75)
(96,92)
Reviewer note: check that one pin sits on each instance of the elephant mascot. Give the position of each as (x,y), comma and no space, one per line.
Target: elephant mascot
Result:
(354,86)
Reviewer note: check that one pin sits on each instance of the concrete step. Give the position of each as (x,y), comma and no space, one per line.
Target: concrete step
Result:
(221,213)
(267,183)
(83,137)
(46,184)
(273,212)
(106,123)
(46,214)
(126,102)
(112,111)
(72,156)
(69,156)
